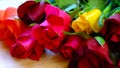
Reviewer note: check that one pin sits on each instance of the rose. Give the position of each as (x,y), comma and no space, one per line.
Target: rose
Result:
(87,22)
(4,14)
(50,32)
(71,45)
(15,26)
(32,12)
(12,27)
(2,26)
(91,55)
(25,46)
(111,32)
(48,36)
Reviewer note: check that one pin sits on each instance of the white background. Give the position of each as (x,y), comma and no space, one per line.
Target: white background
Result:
(12,3)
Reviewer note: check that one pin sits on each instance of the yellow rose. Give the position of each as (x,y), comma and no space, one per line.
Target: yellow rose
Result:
(87,22)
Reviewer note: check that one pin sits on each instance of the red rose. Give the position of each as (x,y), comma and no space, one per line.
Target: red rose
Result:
(91,55)
(32,12)
(50,32)
(71,45)
(26,46)
(111,32)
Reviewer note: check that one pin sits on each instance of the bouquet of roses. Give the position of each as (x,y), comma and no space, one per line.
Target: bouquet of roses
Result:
(84,31)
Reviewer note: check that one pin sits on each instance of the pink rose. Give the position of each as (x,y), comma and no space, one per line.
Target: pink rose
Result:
(50,32)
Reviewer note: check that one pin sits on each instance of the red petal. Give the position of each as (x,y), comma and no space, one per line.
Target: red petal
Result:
(15,26)
(71,45)
(93,45)
(37,52)
(84,63)
(55,20)
(24,44)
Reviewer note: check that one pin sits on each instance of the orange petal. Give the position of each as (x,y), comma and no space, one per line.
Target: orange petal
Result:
(10,12)
(15,26)
(1,15)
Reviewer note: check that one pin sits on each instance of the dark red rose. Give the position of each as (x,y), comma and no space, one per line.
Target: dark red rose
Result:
(25,46)
(111,32)
(91,55)
(71,45)
(32,12)
(50,32)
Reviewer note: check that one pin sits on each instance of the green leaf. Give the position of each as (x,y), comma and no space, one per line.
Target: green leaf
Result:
(37,0)
(75,13)
(112,12)
(87,9)
(82,34)
(105,11)
(100,4)
(32,24)
(63,3)
(69,33)
(49,1)
(100,40)
(71,7)
(117,2)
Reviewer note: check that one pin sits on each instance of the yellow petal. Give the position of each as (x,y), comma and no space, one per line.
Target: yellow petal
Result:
(81,25)
(92,17)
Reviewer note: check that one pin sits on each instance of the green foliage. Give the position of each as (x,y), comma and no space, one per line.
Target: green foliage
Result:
(82,34)
(37,0)
(112,12)
(64,3)
(100,4)
(100,40)
(49,1)
(117,2)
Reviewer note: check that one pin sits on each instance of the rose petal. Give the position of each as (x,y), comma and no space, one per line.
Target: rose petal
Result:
(58,21)
(49,10)
(26,7)
(24,46)
(10,12)
(37,13)
(15,26)
(93,45)
(71,45)
(2,12)
(37,52)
